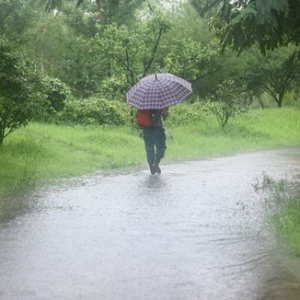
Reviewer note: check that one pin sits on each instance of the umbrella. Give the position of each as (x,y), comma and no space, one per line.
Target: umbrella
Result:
(158,91)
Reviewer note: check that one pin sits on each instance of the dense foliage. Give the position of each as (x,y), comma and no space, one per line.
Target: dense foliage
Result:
(90,53)
(22,93)
(94,111)
(241,23)
(229,100)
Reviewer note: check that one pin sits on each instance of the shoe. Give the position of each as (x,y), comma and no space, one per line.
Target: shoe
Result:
(157,169)
(152,169)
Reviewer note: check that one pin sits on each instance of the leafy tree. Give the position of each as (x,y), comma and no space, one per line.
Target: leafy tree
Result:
(193,52)
(17,17)
(229,100)
(188,44)
(105,11)
(275,73)
(81,68)
(130,54)
(119,11)
(47,43)
(198,64)
(22,95)
(243,23)
(83,20)
(57,92)
(41,35)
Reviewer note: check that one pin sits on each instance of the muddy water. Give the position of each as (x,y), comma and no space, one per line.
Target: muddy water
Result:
(194,232)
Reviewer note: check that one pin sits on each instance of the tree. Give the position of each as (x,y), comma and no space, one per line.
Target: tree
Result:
(105,11)
(130,54)
(22,96)
(243,23)
(81,68)
(274,73)
(228,100)
(16,17)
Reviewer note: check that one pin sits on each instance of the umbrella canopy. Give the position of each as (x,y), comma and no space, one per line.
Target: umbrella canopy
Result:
(158,91)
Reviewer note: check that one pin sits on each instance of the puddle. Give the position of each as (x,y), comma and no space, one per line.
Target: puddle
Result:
(193,232)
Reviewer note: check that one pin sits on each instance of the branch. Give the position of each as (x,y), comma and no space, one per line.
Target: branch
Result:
(128,68)
(161,30)
(125,64)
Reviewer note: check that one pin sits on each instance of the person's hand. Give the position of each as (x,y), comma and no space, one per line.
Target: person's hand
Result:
(165,112)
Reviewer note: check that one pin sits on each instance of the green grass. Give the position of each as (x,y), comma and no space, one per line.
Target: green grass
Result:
(286,223)
(257,129)
(282,207)
(41,152)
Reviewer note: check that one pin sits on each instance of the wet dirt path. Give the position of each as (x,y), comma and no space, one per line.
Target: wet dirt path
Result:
(193,232)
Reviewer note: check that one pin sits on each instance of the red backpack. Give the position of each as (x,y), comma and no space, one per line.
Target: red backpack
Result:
(144,117)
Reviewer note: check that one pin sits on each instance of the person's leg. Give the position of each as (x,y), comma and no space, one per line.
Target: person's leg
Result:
(160,144)
(149,146)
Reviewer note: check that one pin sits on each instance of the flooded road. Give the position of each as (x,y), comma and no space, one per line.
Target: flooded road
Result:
(194,232)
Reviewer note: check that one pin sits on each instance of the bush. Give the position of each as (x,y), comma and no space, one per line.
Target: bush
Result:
(229,100)
(283,205)
(57,92)
(22,90)
(94,111)
(184,113)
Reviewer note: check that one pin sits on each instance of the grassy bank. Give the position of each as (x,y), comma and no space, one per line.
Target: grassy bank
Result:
(286,224)
(42,152)
(282,206)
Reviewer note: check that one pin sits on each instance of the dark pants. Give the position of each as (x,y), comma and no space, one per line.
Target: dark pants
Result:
(155,144)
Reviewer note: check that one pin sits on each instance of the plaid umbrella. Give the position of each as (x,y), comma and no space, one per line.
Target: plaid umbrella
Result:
(158,91)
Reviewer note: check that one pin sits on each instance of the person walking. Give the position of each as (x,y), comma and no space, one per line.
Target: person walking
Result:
(155,139)
(155,93)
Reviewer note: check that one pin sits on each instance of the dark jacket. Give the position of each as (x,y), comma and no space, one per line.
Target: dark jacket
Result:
(158,115)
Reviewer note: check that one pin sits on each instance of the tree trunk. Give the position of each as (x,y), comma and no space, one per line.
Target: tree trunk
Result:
(280,99)
(1,137)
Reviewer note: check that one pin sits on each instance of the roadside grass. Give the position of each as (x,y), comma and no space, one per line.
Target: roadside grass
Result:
(282,206)
(286,224)
(40,153)
(257,129)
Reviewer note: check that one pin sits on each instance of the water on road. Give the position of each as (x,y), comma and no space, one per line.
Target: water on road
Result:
(194,232)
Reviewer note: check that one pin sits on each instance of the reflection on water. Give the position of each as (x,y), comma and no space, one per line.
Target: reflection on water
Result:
(155,182)
(178,235)
(281,288)
(16,205)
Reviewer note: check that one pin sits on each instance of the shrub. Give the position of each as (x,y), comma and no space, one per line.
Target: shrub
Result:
(94,111)
(229,100)
(57,92)
(186,113)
